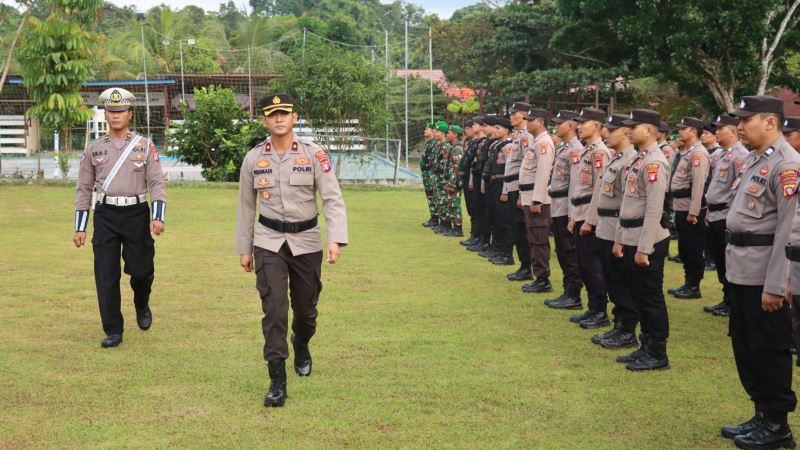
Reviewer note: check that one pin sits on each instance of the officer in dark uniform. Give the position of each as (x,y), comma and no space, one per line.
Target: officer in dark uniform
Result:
(476,187)
(491,247)
(279,180)
(121,167)
(759,224)
(502,213)
(464,168)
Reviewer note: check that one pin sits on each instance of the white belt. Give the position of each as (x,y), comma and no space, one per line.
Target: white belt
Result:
(121,201)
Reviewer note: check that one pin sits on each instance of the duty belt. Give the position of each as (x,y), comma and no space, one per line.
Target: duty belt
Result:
(606,212)
(104,199)
(717,206)
(511,178)
(682,193)
(793,252)
(526,187)
(287,227)
(749,239)
(631,223)
(558,194)
(577,201)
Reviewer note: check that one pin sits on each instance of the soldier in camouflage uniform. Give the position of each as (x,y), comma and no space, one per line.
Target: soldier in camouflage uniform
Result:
(425,168)
(439,166)
(453,182)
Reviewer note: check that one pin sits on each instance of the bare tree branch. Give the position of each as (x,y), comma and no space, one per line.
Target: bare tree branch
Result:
(768,53)
(587,58)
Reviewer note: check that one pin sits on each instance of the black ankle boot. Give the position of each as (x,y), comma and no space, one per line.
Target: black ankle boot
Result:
(276,396)
(302,356)
(631,357)
(771,434)
(654,357)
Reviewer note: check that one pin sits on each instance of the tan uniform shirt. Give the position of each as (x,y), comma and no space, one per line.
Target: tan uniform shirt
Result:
(519,146)
(763,203)
(608,195)
(284,189)
(536,167)
(724,170)
(559,178)
(584,174)
(140,173)
(691,174)
(646,183)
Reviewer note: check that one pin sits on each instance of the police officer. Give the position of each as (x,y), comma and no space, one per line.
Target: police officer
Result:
(586,172)
(669,152)
(519,147)
(560,209)
(687,187)
(279,179)
(724,169)
(642,240)
(475,187)
(122,167)
(502,214)
(603,215)
(791,131)
(425,163)
(537,164)
(709,141)
(759,223)
(489,247)
(464,168)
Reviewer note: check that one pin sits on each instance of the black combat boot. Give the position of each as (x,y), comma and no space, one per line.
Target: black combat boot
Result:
(479,247)
(455,231)
(710,309)
(625,338)
(731,431)
(577,318)
(276,396)
(631,357)
(654,357)
(542,284)
(613,331)
(111,341)
(673,290)
(771,434)
(469,242)
(502,260)
(522,274)
(144,318)
(571,300)
(724,311)
(688,292)
(430,223)
(596,320)
(302,356)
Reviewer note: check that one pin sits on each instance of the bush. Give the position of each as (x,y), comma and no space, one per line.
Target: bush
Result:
(217,134)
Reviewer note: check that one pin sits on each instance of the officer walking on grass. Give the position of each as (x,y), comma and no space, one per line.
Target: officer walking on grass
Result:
(122,167)
(280,179)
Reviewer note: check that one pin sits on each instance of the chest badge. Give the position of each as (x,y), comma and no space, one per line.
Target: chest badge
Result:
(302,161)
(265,194)
(751,204)
(764,170)
(262,164)
(263,182)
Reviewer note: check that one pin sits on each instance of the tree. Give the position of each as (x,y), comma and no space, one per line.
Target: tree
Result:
(8,11)
(56,56)
(338,91)
(217,134)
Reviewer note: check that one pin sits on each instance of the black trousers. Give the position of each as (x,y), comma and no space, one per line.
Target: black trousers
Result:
(565,253)
(619,287)
(502,220)
(715,240)
(761,342)
(691,243)
(519,231)
(473,200)
(588,252)
(489,213)
(279,277)
(647,289)
(125,230)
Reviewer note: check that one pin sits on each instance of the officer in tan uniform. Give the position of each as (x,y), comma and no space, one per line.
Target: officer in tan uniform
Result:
(642,240)
(534,176)
(724,169)
(669,152)
(603,215)
(560,209)
(688,200)
(791,131)
(122,167)
(280,179)
(759,223)
(585,174)
(519,147)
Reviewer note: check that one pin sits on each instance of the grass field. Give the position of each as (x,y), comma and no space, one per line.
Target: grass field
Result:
(420,345)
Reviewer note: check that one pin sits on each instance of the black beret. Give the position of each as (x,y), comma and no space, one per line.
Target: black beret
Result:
(711,127)
(503,122)
(490,120)
(664,128)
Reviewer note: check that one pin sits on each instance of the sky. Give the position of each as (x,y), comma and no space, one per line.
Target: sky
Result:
(444,8)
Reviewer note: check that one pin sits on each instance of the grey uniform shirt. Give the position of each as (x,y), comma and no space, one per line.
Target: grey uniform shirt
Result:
(763,203)
(519,146)
(646,182)
(724,170)
(669,153)
(559,178)
(608,195)
(691,174)
(584,174)
(284,188)
(140,173)
(536,165)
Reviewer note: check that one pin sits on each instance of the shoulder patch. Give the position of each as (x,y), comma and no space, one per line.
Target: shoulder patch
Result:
(598,160)
(789,182)
(696,159)
(652,172)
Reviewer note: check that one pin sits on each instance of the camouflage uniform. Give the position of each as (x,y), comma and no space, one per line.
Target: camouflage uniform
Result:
(452,185)
(425,167)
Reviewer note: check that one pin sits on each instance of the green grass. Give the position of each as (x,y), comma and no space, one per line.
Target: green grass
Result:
(420,344)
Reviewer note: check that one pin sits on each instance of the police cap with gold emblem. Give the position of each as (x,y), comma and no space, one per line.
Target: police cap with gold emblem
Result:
(276,102)
(116,99)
